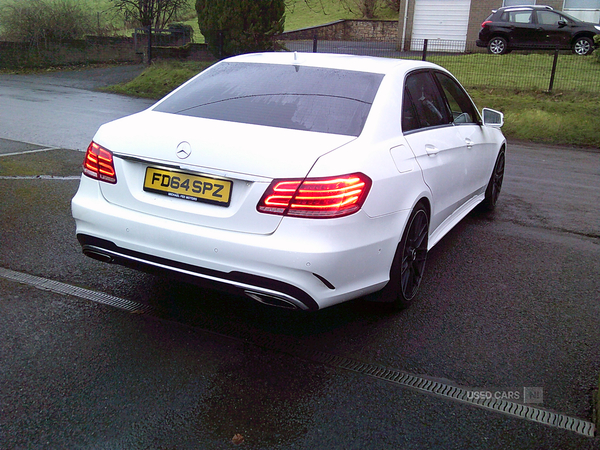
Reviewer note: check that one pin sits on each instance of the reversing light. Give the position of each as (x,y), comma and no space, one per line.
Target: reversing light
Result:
(98,164)
(316,197)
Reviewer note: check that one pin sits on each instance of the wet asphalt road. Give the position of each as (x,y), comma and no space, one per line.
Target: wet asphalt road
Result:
(510,300)
(60,109)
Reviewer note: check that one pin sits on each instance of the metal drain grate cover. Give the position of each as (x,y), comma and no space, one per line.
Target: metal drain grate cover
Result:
(67,289)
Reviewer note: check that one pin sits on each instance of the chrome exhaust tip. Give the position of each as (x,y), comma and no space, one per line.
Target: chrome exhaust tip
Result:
(273,300)
(98,256)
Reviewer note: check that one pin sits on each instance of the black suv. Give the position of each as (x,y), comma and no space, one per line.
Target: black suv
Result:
(527,27)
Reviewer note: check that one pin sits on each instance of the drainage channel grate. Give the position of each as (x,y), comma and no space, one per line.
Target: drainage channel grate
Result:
(459,394)
(67,289)
(423,384)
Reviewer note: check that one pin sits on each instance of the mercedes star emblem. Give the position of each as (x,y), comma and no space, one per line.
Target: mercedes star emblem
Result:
(184,150)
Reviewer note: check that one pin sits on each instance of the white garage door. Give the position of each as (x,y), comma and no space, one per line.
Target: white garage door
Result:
(441,21)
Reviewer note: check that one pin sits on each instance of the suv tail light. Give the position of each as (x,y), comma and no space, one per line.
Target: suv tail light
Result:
(98,164)
(487,22)
(316,197)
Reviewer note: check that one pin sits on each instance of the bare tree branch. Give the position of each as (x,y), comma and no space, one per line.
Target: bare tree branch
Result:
(155,13)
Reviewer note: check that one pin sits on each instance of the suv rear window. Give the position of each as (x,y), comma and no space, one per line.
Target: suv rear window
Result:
(294,97)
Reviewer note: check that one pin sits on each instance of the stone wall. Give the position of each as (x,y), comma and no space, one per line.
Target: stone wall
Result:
(348,30)
(191,51)
(92,49)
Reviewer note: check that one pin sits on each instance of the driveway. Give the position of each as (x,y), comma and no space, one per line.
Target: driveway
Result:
(99,356)
(63,108)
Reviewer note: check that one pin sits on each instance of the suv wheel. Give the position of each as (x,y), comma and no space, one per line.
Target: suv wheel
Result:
(497,46)
(583,46)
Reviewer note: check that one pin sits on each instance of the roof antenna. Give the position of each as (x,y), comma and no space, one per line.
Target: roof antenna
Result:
(295,56)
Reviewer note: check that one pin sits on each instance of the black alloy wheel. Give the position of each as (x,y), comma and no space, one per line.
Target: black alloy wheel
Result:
(494,187)
(414,255)
(409,263)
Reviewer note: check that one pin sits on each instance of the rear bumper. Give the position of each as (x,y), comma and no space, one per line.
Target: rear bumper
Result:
(306,264)
(262,289)
(481,43)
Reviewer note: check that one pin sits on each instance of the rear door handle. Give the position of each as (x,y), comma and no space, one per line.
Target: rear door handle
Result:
(469,143)
(431,150)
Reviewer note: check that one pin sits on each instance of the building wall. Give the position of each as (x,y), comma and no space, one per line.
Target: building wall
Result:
(480,9)
(405,23)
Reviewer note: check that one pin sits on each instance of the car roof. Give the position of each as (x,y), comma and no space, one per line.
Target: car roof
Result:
(526,7)
(357,63)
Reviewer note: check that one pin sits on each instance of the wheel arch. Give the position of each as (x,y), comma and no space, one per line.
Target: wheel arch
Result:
(426,203)
(501,34)
(502,148)
(424,200)
(583,33)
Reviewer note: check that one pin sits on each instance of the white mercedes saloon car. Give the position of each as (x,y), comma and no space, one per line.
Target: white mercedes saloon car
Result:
(300,180)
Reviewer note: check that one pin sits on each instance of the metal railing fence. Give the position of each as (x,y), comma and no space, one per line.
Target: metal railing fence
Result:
(535,69)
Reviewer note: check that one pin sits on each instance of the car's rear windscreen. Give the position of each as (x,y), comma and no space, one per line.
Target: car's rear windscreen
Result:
(295,97)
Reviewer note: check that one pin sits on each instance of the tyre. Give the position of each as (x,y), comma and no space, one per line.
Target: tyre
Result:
(408,266)
(583,46)
(497,46)
(494,186)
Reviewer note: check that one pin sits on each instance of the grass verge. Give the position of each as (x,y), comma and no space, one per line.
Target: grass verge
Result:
(159,79)
(528,71)
(551,118)
(535,116)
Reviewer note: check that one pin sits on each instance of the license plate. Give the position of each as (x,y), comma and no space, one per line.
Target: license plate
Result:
(187,186)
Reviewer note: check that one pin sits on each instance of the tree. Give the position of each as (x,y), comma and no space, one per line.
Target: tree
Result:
(369,8)
(364,8)
(231,27)
(151,13)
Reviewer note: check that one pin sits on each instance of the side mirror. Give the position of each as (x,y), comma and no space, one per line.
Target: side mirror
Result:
(492,118)
(562,23)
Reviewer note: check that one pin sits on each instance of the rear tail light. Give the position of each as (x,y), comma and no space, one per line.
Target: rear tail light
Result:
(487,22)
(98,164)
(316,197)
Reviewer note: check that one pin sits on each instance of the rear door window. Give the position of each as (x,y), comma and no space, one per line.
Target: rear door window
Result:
(423,104)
